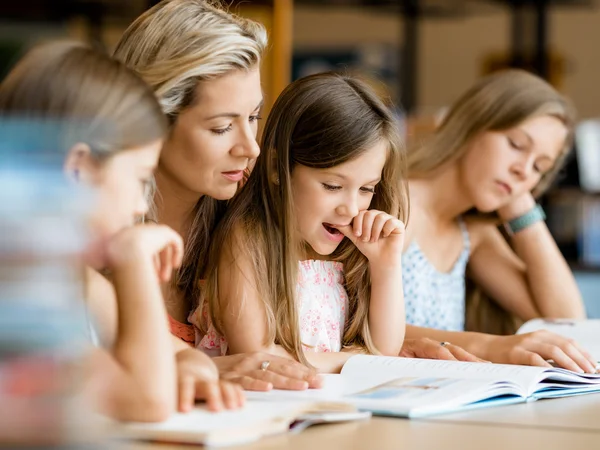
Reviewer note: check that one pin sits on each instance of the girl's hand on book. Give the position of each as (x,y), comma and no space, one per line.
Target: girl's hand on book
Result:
(138,244)
(378,235)
(218,395)
(534,349)
(281,373)
(429,349)
(198,379)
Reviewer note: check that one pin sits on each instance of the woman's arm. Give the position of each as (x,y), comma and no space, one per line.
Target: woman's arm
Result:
(536,282)
(532,349)
(550,282)
(533,280)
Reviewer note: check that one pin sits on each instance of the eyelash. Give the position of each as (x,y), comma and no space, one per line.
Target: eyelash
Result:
(221,131)
(146,184)
(513,145)
(365,190)
(516,147)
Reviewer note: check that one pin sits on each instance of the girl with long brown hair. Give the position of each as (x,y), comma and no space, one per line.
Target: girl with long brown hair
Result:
(500,145)
(306,261)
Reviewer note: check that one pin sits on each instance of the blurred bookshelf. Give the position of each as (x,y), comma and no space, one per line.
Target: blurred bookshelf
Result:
(102,22)
(573,204)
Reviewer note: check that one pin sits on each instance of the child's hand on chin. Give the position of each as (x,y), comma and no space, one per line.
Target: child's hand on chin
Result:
(517,207)
(378,235)
(157,245)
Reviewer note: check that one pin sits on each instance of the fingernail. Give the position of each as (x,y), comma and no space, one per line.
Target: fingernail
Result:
(358,233)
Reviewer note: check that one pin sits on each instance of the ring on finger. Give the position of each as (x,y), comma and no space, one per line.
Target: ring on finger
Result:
(444,344)
(265,365)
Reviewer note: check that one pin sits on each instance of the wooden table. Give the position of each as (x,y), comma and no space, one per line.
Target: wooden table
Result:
(567,414)
(561,424)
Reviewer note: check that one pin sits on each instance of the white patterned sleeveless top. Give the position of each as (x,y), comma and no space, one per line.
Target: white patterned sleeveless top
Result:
(322,307)
(435,299)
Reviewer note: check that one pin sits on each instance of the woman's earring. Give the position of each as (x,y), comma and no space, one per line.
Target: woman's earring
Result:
(276,179)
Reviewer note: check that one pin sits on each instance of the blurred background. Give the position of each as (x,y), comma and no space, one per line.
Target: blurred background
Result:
(424,53)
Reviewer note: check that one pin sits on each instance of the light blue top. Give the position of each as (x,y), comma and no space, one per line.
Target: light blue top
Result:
(435,299)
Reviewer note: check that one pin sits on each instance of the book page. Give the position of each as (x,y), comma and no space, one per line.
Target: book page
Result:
(363,372)
(251,422)
(403,396)
(378,369)
(418,397)
(418,387)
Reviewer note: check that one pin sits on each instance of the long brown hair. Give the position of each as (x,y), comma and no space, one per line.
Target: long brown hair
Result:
(174,46)
(89,96)
(497,102)
(318,121)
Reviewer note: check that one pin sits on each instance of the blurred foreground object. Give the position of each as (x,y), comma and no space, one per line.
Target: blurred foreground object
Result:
(44,330)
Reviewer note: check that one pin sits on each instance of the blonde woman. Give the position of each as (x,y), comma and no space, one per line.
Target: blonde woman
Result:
(203,65)
(499,147)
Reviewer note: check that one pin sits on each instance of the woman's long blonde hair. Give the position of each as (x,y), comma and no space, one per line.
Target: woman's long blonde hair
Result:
(497,102)
(174,46)
(319,121)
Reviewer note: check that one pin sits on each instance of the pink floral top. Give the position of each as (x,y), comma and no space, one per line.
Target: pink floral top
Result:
(322,303)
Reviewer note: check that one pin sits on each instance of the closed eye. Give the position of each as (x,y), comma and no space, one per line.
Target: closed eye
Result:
(331,187)
(221,131)
(542,169)
(367,190)
(255,118)
(513,144)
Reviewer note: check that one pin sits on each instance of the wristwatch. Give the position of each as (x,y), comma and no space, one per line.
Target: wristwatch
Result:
(534,215)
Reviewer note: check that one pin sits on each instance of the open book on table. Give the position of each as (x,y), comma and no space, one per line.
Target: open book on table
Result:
(256,420)
(585,332)
(408,387)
